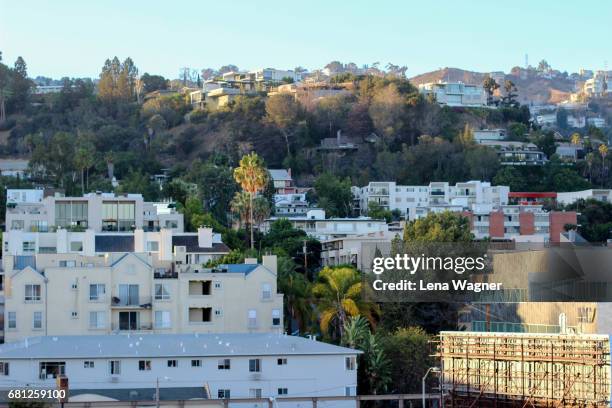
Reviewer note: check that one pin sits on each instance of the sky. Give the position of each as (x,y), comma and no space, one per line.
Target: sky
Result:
(73,38)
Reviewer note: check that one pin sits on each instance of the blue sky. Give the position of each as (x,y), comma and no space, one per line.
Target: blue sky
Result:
(73,38)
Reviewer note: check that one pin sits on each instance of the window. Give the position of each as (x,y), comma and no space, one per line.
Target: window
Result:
(12,320)
(74,285)
(266,291)
(218,312)
(282,391)
(350,391)
(4,368)
(196,363)
(128,294)
(199,288)
(281,361)
(51,369)
(255,393)
(162,292)
(32,293)
(223,393)
(162,319)
(224,364)
(252,321)
(276,319)
(218,285)
(172,363)
(67,264)
(76,246)
(97,320)
(71,214)
(144,365)
(88,364)
(29,246)
(115,367)
(97,291)
(255,365)
(17,224)
(152,246)
(350,363)
(74,315)
(118,216)
(37,321)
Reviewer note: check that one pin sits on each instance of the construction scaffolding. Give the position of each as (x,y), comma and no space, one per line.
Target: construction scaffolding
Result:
(481,369)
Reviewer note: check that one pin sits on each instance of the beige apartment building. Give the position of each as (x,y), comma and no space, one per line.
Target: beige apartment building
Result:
(72,294)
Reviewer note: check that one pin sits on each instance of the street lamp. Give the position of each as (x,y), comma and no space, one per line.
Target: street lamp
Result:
(433,370)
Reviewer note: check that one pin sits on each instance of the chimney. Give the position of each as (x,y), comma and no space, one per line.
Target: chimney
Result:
(205,237)
(270,262)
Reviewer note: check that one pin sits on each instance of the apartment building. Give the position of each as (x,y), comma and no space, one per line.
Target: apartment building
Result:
(597,85)
(416,201)
(317,226)
(356,250)
(187,366)
(291,205)
(571,197)
(282,181)
(31,210)
(516,153)
(455,94)
(140,281)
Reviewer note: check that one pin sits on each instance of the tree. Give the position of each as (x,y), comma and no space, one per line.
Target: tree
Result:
(283,111)
(562,118)
(409,352)
(252,177)
(386,111)
(84,159)
(153,82)
(378,212)
(439,227)
(509,99)
(338,294)
(490,86)
(334,195)
(575,139)
(296,290)
(241,207)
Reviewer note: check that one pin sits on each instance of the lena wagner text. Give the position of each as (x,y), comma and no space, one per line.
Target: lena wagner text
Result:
(414,286)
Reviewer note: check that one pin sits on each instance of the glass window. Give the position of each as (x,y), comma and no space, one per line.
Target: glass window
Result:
(152,246)
(88,364)
(224,393)
(12,320)
(172,363)
(37,321)
(97,320)
(97,291)
(196,363)
(276,319)
(224,364)
(266,291)
(252,318)
(162,319)
(115,367)
(76,246)
(283,391)
(32,293)
(4,368)
(350,363)
(144,365)
(162,291)
(255,365)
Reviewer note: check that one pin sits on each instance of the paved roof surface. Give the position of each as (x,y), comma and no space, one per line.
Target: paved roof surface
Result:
(166,345)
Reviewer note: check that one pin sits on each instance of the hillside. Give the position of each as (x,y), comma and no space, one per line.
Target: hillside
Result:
(531,88)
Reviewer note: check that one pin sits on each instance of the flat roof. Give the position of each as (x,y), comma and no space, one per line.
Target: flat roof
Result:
(167,345)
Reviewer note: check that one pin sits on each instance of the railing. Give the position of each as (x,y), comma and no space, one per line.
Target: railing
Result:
(131,327)
(165,274)
(138,302)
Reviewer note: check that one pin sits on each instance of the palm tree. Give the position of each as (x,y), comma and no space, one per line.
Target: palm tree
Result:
(590,159)
(296,290)
(240,206)
(576,139)
(603,151)
(252,176)
(356,329)
(339,297)
(377,365)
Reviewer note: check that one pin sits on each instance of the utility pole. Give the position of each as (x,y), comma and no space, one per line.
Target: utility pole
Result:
(157,392)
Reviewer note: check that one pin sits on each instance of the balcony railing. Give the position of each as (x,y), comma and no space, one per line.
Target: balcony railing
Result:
(143,302)
(131,327)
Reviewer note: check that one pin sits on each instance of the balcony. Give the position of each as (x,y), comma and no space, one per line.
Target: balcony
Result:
(162,273)
(131,302)
(131,327)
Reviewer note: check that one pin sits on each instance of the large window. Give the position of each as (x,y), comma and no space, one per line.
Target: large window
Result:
(12,320)
(144,365)
(255,365)
(118,216)
(32,293)
(96,291)
(162,291)
(128,294)
(97,320)
(71,214)
(4,368)
(52,369)
(115,367)
(162,319)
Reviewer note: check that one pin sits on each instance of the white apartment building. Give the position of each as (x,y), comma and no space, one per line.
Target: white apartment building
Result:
(291,205)
(455,94)
(597,85)
(573,196)
(188,366)
(273,75)
(416,201)
(317,226)
(31,210)
(356,250)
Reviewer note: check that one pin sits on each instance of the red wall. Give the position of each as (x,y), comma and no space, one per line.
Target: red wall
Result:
(526,223)
(558,219)
(496,224)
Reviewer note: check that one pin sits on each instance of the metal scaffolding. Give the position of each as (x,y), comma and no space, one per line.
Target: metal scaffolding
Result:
(482,369)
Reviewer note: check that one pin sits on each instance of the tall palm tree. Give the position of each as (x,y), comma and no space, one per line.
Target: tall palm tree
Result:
(576,139)
(603,151)
(296,290)
(252,176)
(356,330)
(240,206)
(339,297)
